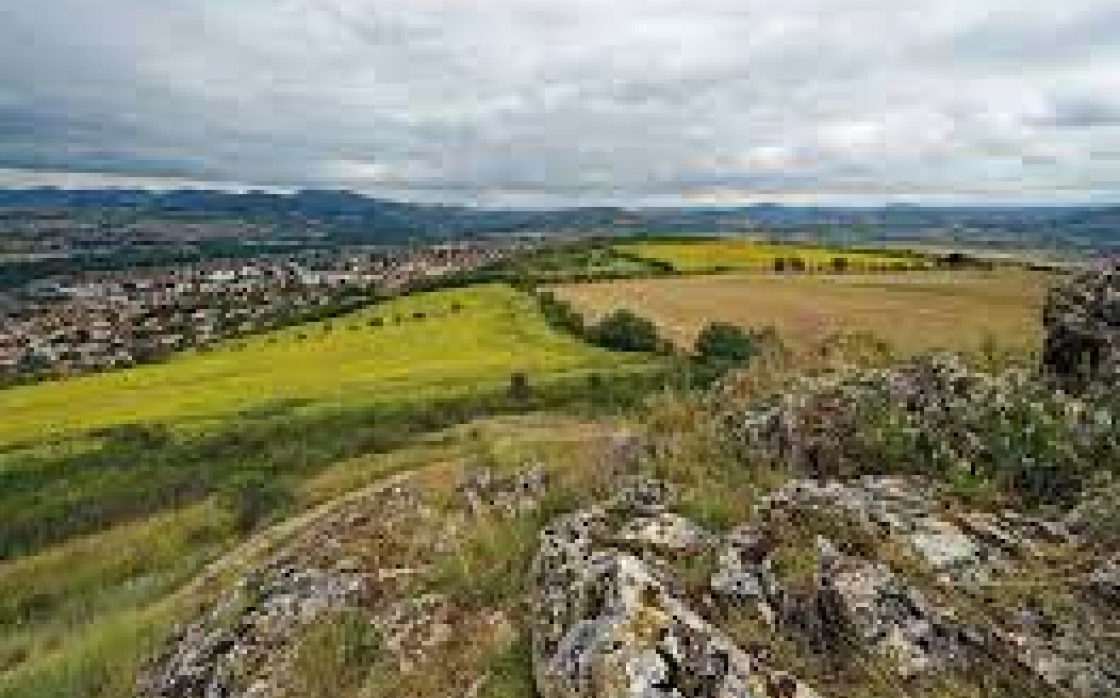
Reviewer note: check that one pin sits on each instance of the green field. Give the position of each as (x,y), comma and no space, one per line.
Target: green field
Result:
(426,345)
(745,255)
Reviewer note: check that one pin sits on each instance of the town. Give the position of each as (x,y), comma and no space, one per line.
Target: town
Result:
(95,322)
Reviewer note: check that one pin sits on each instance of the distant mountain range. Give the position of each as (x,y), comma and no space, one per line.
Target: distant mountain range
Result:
(354,217)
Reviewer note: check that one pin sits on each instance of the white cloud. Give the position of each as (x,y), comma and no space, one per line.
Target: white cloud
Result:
(573,101)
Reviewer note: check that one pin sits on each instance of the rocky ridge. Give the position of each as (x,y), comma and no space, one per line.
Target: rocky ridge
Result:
(901,578)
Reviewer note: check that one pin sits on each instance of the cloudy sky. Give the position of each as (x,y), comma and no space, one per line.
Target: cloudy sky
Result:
(527,102)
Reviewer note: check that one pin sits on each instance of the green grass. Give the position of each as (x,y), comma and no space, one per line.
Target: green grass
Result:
(46,598)
(745,255)
(429,344)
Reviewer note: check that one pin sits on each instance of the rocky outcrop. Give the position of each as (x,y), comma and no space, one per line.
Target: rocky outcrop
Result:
(1082,320)
(236,649)
(356,559)
(511,494)
(936,416)
(610,619)
(877,568)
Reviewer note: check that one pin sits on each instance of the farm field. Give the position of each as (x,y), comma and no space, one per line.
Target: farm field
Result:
(410,348)
(913,312)
(745,255)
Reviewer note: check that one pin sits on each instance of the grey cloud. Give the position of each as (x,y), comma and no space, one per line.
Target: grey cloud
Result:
(574,101)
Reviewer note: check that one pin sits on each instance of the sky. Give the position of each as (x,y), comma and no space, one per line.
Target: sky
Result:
(570,102)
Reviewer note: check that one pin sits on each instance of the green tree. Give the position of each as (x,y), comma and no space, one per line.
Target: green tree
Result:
(623,330)
(724,342)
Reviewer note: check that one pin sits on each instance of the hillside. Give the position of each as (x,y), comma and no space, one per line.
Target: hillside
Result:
(923,529)
(907,531)
(353,217)
(436,344)
(80,455)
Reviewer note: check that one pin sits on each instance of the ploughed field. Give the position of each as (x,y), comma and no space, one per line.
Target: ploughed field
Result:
(746,255)
(913,312)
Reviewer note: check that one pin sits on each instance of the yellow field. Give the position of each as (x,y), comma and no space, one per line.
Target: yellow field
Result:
(465,340)
(913,312)
(745,255)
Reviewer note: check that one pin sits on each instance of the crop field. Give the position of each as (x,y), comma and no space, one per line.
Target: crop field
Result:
(913,312)
(745,255)
(410,348)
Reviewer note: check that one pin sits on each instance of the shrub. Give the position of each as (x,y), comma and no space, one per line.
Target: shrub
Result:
(723,342)
(519,389)
(253,498)
(623,330)
(561,315)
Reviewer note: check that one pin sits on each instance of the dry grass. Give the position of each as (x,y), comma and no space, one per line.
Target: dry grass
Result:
(913,312)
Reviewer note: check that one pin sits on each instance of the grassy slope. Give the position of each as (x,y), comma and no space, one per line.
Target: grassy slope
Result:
(914,312)
(77,619)
(496,331)
(89,619)
(747,255)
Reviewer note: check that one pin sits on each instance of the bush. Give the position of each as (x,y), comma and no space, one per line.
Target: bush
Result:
(561,315)
(253,498)
(622,330)
(721,342)
(519,389)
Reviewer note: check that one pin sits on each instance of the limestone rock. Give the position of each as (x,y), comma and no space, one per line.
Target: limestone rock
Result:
(610,624)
